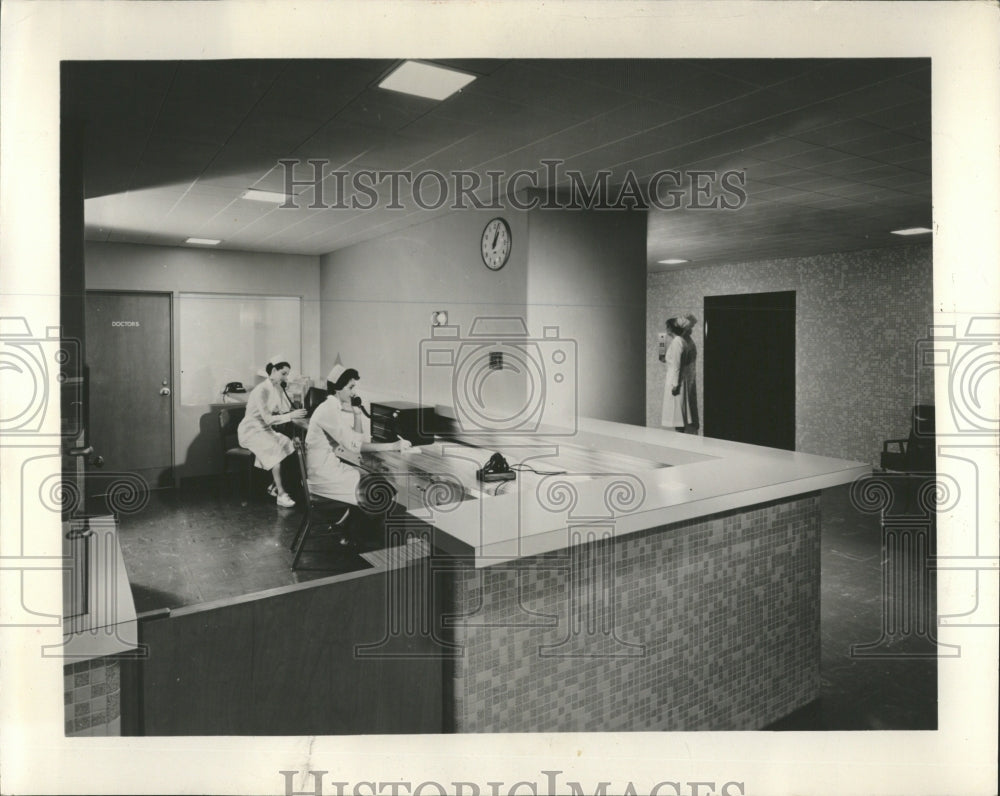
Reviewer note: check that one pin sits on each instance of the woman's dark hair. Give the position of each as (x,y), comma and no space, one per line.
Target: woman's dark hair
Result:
(276,366)
(673,327)
(342,381)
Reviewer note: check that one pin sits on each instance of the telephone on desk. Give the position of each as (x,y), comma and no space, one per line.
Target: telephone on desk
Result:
(234,388)
(496,469)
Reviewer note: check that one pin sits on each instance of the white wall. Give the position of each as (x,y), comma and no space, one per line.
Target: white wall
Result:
(587,276)
(378,297)
(581,272)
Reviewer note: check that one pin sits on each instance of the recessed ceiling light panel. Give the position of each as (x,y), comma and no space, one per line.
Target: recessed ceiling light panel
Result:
(673,261)
(912,231)
(426,80)
(256,195)
(203,241)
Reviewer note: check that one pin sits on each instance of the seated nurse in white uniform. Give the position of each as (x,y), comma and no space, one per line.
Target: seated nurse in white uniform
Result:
(337,423)
(267,406)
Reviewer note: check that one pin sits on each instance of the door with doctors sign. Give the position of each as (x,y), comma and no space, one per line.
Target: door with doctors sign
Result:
(128,355)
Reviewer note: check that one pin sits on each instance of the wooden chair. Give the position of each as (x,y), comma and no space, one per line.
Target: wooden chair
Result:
(331,513)
(232,451)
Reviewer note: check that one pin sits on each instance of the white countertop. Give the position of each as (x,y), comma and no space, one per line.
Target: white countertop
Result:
(619,479)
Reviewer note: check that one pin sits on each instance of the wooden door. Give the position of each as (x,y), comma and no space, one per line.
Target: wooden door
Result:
(749,368)
(131,383)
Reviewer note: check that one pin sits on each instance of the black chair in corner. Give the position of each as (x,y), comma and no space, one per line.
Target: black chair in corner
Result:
(915,454)
(232,451)
(313,398)
(331,513)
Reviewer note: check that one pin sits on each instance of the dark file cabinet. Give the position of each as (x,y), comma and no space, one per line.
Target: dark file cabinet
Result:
(394,419)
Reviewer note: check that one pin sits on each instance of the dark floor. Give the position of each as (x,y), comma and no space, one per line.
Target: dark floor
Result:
(199,544)
(206,542)
(886,686)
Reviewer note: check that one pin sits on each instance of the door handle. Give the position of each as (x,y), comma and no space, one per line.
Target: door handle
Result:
(164,391)
(97,461)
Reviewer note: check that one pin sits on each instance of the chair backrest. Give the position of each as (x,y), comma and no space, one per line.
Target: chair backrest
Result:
(921,445)
(229,421)
(313,398)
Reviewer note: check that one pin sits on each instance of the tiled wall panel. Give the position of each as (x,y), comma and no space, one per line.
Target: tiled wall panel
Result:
(858,317)
(91,697)
(707,625)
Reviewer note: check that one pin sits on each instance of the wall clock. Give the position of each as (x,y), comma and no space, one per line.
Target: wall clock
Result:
(496,244)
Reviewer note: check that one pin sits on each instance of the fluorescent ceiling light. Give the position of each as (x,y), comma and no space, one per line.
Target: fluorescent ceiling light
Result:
(672,262)
(265,196)
(912,231)
(204,241)
(426,80)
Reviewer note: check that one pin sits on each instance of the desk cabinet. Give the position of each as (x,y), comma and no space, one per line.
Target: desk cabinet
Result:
(288,663)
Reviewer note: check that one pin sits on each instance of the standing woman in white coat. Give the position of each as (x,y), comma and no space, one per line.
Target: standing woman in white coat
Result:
(268,405)
(689,375)
(680,412)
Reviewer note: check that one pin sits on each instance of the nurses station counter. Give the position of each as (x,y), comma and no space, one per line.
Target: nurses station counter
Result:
(629,579)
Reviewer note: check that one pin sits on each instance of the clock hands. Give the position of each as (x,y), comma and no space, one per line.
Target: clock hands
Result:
(496,246)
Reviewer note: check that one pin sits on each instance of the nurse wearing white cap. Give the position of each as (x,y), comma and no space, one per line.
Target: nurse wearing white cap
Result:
(268,405)
(337,424)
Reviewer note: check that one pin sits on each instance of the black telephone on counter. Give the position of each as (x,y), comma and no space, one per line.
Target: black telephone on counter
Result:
(496,469)
(234,386)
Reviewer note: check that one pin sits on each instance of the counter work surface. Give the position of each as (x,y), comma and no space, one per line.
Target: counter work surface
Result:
(603,478)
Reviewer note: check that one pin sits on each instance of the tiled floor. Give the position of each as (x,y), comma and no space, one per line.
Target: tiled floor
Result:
(894,692)
(199,544)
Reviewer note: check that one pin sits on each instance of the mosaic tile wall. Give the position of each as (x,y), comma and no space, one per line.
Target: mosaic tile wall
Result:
(858,316)
(711,624)
(91,697)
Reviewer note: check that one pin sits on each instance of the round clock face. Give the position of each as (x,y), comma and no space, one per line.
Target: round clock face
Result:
(496,244)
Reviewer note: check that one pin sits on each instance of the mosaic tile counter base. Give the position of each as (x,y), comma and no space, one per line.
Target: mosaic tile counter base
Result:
(91,697)
(711,624)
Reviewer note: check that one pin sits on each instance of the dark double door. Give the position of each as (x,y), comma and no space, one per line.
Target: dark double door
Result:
(749,368)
